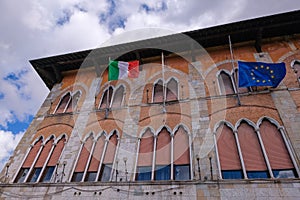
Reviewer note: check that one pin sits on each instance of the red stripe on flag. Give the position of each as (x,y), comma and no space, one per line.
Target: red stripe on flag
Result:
(133,69)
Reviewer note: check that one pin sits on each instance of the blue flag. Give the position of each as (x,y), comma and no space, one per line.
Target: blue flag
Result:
(260,74)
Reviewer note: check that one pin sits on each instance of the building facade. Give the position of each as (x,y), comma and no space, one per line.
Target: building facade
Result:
(182,129)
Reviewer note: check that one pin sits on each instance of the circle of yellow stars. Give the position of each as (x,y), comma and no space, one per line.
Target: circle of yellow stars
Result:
(262,67)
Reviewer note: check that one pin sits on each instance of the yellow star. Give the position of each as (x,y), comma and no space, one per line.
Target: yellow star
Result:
(253,78)
(252,74)
(256,67)
(268,67)
(258,81)
(271,71)
(262,66)
(272,76)
(264,81)
(269,80)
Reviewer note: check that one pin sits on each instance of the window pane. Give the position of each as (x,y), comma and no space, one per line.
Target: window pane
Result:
(77,177)
(35,174)
(144,173)
(48,174)
(163,172)
(105,172)
(91,176)
(225,83)
(289,173)
(22,174)
(258,174)
(232,174)
(182,172)
(158,92)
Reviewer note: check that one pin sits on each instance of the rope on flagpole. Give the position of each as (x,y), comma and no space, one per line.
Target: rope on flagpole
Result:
(232,62)
(163,77)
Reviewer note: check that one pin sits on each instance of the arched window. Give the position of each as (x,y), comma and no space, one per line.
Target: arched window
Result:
(82,160)
(35,173)
(73,102)
(225,83)
(64,102)
(118,97)
(181,155)
(145,156)
(158,94)
(109,158)
(96,158)
(228,153)
(163,156)
(106,99)
(28,161)
(279,158)
(252,153)
(172,90)
(53,160)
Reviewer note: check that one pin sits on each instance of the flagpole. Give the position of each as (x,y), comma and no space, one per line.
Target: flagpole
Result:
(232,62)
(163,77)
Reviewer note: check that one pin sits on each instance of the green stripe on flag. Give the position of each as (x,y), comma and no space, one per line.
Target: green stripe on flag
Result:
(113,70)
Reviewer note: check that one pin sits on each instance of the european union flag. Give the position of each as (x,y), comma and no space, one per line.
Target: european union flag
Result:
(260,74)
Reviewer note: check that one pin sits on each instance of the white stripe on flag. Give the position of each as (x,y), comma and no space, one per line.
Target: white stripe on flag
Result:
(123,69)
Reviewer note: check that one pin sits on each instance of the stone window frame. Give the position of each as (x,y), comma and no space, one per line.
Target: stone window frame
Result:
(67,105)
(95,139)
(44,141)
(257,131)
(164,85)
(296,61)
(114,91)
(155,135)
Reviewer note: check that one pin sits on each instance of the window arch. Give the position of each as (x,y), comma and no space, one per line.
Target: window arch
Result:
(36,171)
(279,158)
(106,98)
(23,172)
(227,150)
(83,159)
(145,156)
(172,90)
(225,83)
(68,102)
(96,157)
(254,160)
(118,97)
(158,93)
(181,155)
(163,156)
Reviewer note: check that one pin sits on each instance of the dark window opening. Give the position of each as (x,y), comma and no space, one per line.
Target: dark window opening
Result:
(158,94)
(225,83)
(257,174)
(77,176)
(232,174)
(63,103)
(106,99)
(144,173)
(47,174)
(285,173)
(34,174)
(22,175)
(105,172)
(182,172)
(90,176)
(163,172)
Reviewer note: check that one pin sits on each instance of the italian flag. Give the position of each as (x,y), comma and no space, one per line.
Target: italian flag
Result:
(120,69)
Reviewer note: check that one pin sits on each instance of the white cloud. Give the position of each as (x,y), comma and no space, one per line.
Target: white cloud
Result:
(8,142)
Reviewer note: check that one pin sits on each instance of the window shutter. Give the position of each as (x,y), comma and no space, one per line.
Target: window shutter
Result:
(172,90)
(118,97)
(275,147)
(227,149)
(181,147)
(97,154)
(225,83)
(63,103)
(32,154)
(163,148)
(57,152)
(111,149)
(146,149)
(158,92)
(84,155)
(44,154)
(250,147)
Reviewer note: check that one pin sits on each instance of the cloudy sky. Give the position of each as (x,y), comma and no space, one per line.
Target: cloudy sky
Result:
(32,29)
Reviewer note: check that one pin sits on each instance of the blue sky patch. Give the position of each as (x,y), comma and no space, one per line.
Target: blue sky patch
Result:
(65,18)
(17,126)
(160,7)
(2,95)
